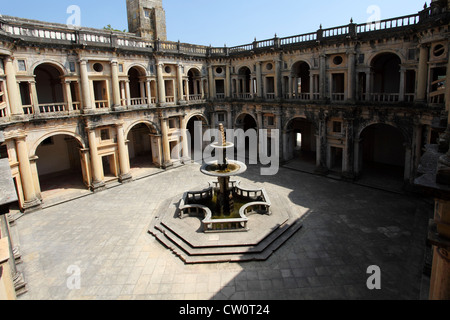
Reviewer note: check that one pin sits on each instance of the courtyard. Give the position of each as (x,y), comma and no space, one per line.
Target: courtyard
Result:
(98,246)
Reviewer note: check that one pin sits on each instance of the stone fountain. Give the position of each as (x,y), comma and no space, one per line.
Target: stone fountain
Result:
(217,203)
(223,208)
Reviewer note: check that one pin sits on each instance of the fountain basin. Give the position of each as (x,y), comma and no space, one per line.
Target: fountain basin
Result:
(199,204)
(213,169)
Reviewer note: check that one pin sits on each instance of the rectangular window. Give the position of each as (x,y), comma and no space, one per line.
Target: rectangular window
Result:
(337,126)
(22,66)
(104,134)
(173,123)
(221,117)
(72,66)
(121,67)
(270,120)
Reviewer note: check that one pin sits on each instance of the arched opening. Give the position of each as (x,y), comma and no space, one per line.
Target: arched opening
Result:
(301,143)
(137,87)
(196,127)
(49,88)
(386,77)
(60,168)
(141,150)
(247,144)
(195,84)
(302,82)
(244,83)
(382,155)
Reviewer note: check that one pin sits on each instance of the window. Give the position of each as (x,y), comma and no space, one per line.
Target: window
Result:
(168,69)
(147,13)
(438,50)
(269,66)
(338,60)
(172,123)
(104,134)
(98,67)
(72,66)
(337,126)
(219,70)
(221,117)
(121,67)
(22,65)
(2,93)
(270,120)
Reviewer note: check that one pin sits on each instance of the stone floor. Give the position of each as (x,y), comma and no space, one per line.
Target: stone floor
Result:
(101,242)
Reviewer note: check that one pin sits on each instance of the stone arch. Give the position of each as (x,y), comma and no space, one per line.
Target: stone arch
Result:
(59,163)
(141,69)
(151,125)
(300,141)
(381,150)
(242,116)
(38,142)
(59,66)
(144,147)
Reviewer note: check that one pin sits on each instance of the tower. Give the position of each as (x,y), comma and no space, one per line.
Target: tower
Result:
(147,19)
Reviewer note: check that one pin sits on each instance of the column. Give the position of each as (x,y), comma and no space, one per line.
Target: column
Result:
(202,88)
(34,96)
(180,83)
(124,159)
(259,80)
(186,89)
(15,103)
(311,86)
(439,239)
(97,175)
(68,94)
(85,88)
(401,92)
(115,83)
(143,91)
(127,92)
(447,87)
(368,85)
(161,87)
(31,202)
(278,78)
(167,161)
(227,81)
(184,141)
(351,86)
(212,94)
(422,74)
(148,89)
(290,87)
(323,77)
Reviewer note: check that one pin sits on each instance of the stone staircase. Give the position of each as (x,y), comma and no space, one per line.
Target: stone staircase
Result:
(186,240)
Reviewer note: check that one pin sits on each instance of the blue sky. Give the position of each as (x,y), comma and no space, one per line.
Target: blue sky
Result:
(230,22)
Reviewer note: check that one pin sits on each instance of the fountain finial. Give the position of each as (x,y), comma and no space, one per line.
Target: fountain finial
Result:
(222,131)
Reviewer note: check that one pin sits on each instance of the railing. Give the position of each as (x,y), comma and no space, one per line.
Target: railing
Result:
(244,96)
(270,96)
(300,96)
(60,32)
(338,96)
(195,97)
(28,109)
(52,107)
(101,104)
(220,96)
(298,39)
(3,110)
(170,99)
(138,101)
(410,97)
(76,106)
(153,100)
(336,31)
(405,21)
(384,97)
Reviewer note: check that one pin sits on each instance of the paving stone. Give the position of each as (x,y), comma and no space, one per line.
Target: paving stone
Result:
(346,228)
